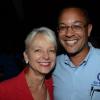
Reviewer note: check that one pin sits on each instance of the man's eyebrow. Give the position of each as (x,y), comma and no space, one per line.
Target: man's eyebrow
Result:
(78,22)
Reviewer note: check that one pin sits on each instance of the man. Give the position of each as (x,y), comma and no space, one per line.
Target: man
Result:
(77,72)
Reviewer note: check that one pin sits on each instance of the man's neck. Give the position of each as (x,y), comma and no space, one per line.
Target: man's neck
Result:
(78,58)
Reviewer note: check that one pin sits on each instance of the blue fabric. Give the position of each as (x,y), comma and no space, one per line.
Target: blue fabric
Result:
(77,83)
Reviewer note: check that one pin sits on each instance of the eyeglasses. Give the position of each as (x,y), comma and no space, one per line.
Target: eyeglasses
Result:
(74,28)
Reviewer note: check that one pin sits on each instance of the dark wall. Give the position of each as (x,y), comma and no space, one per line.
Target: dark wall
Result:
(18,17)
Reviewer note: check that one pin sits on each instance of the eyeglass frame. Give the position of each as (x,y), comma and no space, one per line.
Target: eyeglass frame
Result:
(74,27)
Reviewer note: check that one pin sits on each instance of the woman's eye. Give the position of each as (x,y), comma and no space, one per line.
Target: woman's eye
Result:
(37,50)
(53,51)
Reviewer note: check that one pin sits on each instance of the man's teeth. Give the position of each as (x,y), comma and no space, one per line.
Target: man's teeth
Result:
(71,42)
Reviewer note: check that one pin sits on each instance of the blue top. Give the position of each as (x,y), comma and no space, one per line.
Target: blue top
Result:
(78,83)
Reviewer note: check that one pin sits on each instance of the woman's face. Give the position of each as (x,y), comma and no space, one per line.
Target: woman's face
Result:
(41,54)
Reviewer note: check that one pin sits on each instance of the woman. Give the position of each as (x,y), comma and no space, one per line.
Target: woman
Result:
(32,83)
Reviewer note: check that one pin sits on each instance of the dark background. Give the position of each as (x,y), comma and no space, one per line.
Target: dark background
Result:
(18,17)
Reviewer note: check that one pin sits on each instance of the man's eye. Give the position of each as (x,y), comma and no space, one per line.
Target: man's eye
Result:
(62,27)
(77,27)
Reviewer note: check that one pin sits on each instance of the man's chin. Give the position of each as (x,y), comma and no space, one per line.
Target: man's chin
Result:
(71,54)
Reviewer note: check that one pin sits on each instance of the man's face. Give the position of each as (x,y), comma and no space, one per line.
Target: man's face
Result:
(73,30)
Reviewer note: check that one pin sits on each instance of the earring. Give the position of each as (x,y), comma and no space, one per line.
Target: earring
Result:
(26,61)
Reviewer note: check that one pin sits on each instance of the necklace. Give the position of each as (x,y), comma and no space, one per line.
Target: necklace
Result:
(48,97)
(33,89)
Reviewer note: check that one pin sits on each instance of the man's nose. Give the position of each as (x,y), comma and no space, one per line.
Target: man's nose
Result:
(69,31)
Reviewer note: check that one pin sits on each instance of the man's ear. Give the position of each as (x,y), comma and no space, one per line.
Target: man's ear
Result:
(89,29)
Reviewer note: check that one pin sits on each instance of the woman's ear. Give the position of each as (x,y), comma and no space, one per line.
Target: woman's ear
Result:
(25,57)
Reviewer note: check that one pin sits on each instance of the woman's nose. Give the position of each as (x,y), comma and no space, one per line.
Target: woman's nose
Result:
(46,55)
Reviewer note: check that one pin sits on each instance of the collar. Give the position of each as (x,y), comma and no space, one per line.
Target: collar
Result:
(84,62)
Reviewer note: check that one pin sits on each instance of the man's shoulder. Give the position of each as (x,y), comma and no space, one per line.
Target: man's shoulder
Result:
(96,51)
(60,56)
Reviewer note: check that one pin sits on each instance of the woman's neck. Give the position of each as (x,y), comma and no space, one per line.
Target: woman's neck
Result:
(34,79)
